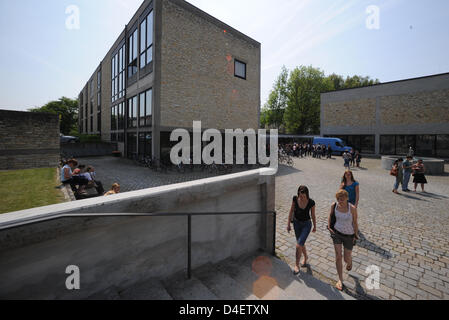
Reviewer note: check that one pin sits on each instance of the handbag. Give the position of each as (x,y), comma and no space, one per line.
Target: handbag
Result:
(394,172)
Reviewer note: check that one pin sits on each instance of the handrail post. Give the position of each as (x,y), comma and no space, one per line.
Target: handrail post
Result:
(189,247)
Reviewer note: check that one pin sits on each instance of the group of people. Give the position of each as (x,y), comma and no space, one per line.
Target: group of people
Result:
(80,178)
(352,158)
(342,223)
(300,150)
(403,170)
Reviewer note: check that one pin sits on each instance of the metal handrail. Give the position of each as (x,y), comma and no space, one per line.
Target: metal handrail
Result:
(175,214)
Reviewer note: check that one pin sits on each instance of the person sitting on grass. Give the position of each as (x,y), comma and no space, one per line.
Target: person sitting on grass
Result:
(68,177)
(115,189)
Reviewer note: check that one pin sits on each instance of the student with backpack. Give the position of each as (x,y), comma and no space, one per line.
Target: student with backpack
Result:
(343,226)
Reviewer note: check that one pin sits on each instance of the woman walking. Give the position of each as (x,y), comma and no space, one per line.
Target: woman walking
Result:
(344,232)
(303,208)
(419,176)
(352,187)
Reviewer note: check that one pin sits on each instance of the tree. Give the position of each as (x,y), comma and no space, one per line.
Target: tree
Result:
(359,81)
(67,109)
(274,109)
(305,85)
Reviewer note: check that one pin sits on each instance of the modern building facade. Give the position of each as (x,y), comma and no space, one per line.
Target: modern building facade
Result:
(172,64)
(385,119)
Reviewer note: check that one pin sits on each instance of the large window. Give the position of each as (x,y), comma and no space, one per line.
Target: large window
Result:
(388,145)
(145,141)
(132,112)
(132,48)
(118,74)
(240,69)
(425,145)
(443,146)
(114,116)
(99,91)
(146,40)
(121,116)
(146,111)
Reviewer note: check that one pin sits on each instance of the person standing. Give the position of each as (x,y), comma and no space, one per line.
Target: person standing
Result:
(344,232)
(329,152)
(346,157)
(352,187)
(419,177)
(407,172)
(358,158)
(301,212)
(398,170)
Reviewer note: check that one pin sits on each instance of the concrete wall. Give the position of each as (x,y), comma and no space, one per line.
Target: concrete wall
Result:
(409,107)
(123,251)
(28,140)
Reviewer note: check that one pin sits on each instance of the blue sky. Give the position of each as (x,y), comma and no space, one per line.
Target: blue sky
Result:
(41,60)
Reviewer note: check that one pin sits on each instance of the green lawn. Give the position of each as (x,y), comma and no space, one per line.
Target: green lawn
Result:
(26,189)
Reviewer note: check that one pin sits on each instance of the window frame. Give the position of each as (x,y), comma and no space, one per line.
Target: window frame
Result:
(235,69)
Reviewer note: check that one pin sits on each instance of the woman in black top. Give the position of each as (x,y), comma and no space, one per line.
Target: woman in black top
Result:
(302,207)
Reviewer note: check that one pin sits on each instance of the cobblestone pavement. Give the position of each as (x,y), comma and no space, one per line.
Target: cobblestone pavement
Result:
(132,177)
(405,235)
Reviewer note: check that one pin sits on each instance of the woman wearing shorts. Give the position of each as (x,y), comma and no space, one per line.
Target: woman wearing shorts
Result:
(343,233)
(302,209)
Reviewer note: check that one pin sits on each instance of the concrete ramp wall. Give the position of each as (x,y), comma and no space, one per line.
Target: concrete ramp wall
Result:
(36,246)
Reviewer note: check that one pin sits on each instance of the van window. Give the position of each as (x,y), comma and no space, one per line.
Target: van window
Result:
(338,144)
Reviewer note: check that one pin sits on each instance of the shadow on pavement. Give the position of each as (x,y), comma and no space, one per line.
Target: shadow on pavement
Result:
(371,246)
(286,170)
(405,195)
(433,195)
(360,293)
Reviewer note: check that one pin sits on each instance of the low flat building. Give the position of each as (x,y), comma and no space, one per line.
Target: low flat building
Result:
(172,64)
(385,119)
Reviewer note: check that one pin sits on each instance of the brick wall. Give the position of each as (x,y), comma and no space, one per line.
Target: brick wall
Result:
(349,113)
(28,140)
(418,108)
(197,68)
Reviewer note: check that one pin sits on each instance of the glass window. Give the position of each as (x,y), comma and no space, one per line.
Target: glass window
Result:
(240,69)
(142,110)
(403,144)
(442,148)
(150,30)
(426,145)
(367,144)
(146,40)
(388,145)
(149,103)
(143,35)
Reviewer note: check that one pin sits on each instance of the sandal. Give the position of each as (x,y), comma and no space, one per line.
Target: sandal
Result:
(349,267)
(339,288)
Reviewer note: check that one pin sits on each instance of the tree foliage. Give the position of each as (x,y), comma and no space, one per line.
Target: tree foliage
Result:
(67,109)
(294,104)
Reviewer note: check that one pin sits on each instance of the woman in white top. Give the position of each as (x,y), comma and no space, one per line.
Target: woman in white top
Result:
(343,226)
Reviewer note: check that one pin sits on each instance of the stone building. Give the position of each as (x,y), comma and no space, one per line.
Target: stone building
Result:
(28,140)
(385,119)
(172,64)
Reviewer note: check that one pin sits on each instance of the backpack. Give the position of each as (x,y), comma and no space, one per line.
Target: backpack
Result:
(333,218)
